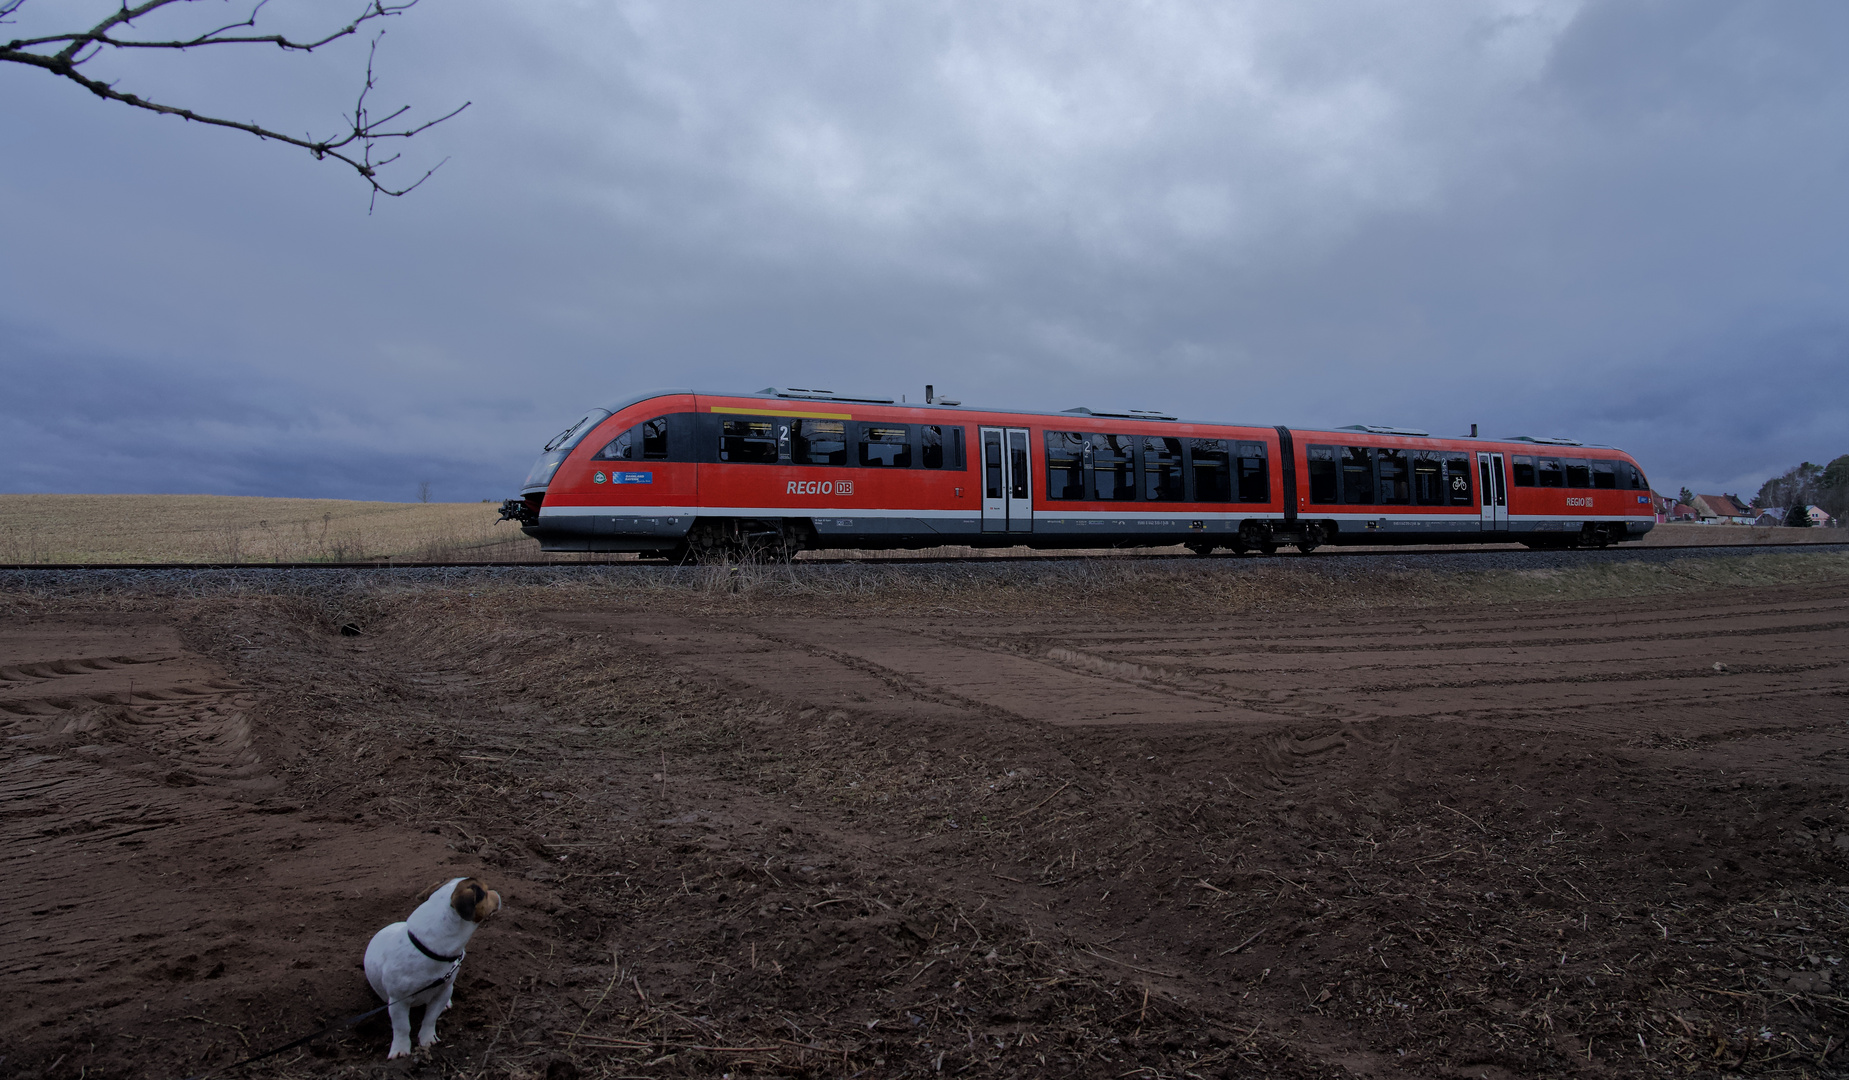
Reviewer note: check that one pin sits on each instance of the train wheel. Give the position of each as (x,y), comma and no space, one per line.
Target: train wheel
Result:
(1312,539)
(1268,547)
(1200,549)
(712,541)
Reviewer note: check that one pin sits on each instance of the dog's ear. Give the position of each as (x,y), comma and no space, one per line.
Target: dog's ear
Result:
(468,893)
(432,890)
(474,901)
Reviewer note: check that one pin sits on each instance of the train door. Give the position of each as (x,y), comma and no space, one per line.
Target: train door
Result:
(1007,495)
(1495,503)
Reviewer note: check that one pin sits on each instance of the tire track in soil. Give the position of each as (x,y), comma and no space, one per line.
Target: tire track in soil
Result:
(141,830)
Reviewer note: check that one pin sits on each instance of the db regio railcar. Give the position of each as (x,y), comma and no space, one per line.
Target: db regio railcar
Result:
(685,474)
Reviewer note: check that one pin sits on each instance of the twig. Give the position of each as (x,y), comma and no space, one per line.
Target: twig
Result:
(1246,942)
(1240,790)
(1132,967)
(355,147)
(616,972)
(1466,817)
(1039,804)
(635,1044)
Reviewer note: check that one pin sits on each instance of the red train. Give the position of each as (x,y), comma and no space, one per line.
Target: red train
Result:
(680,473)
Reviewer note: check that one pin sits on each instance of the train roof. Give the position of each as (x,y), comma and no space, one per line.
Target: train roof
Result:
(787,393)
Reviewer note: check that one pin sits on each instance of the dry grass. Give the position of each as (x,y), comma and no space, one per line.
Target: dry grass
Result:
(1089,587)
(248,529)
(1674,534)
(233,529)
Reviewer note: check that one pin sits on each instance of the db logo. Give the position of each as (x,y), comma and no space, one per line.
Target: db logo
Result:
(820,487)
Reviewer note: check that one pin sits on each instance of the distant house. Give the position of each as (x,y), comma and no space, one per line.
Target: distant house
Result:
(1819,517)
(1721,509)
(1667,508)
(1778,515)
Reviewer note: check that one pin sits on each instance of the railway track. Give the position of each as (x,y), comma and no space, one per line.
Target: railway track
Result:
(1323,554)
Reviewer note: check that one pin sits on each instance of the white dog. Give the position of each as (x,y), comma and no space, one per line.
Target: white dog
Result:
(415,962)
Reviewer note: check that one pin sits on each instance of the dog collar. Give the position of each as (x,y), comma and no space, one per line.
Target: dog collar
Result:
(425,949)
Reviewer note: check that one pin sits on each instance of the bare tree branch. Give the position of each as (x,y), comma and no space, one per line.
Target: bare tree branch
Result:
(64,55)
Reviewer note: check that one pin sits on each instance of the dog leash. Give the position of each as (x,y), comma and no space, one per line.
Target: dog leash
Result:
(336,1025)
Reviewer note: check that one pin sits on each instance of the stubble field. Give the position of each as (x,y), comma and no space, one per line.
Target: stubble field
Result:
(219,529)
(1225,817)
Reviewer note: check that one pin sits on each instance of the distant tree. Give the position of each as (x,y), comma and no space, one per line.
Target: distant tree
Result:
(1798,517)
(1685,496)
(64,55)
(1798,485)
(1833,488)
(423,491)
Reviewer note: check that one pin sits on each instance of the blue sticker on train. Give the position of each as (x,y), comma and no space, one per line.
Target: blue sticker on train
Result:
(632,477)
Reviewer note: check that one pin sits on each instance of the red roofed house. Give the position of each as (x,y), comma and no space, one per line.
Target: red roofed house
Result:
(1722,509)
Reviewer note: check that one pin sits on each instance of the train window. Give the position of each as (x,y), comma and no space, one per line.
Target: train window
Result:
(1579,473)
(1322,475)
(992,464)
(886,444)
(1428,479)
(1113,470)
(1254,479)
(931,446)
(1395,487)
(620,448)
(1604,475)
(1457,479)
(1017,465)
(1065,465)
(1213,469)
(1550,473)
(1524,471)
(1630,478)
(1357,475)
(1162,469)
(818,442)
(748,440)
(655,439)
(956,448)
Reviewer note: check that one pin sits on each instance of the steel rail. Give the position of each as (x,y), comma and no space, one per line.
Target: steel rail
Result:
(904,560)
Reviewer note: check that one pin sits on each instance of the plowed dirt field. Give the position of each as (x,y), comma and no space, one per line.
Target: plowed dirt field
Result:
(1216,820)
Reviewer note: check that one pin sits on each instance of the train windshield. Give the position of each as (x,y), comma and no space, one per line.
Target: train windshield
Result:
(568,438)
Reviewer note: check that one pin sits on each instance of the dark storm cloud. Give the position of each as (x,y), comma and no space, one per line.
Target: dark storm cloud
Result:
(1618,221)
(90,423)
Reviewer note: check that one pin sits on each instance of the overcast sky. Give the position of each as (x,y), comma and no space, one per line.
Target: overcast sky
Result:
(1621,222)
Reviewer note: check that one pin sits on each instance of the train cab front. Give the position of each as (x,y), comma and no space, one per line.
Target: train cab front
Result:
(526,509)
(609,482)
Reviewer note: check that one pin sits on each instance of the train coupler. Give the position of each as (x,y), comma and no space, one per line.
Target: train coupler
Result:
(518,510)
